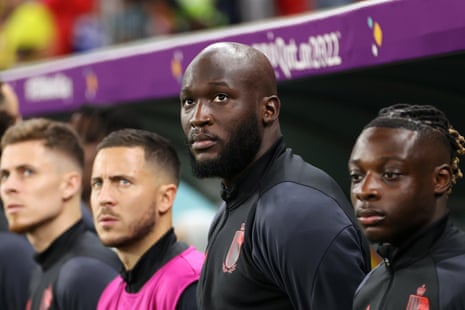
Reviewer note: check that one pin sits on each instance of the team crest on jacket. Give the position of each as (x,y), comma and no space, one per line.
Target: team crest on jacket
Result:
(46,301)
(418,301)
(230,263)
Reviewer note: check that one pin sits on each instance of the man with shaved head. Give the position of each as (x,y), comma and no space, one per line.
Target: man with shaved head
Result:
(285,236)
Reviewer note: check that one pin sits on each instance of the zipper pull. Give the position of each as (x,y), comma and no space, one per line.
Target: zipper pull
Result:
(387,262)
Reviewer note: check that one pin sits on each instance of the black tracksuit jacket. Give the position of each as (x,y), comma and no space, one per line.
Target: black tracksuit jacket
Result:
(72,272)
(426,273)
(284,238)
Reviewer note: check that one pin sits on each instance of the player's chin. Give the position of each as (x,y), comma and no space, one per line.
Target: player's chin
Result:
(205,157)
(108,241)
(19,227)
(375,234)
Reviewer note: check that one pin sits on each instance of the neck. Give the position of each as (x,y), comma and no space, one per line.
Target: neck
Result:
(266,145)
(130,255)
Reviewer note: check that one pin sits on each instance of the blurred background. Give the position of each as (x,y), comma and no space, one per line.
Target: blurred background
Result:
(32,30)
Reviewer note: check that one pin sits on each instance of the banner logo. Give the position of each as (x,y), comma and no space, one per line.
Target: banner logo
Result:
(319,51)
(43,88)
(377,33)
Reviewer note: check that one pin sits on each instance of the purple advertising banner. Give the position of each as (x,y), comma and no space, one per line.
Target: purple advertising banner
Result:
(361,35)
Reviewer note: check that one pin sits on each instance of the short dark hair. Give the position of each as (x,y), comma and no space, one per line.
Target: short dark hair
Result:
(157,149)
(56,136)
(425,119)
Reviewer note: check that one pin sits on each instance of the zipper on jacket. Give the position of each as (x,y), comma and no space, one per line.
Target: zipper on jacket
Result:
(387,262)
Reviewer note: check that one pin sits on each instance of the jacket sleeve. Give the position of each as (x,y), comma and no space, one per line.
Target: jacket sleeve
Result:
(308,247)
(16,266)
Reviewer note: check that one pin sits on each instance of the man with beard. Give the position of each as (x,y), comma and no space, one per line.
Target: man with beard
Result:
(403,167)
(41,168)
(285,236)
(135,178)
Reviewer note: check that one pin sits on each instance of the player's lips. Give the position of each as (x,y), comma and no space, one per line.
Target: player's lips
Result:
(369,217)
(202,145)
(202,142)
(107,217)
(13,208)
(106,221)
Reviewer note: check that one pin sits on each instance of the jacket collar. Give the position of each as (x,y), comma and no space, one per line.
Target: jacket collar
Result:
(60,246)
(415,247)
(150,262)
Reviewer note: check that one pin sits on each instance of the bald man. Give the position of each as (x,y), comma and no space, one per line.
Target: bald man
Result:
(285,236)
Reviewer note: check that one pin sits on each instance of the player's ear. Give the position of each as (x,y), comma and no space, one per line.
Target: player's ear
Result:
(71,185)
(167,194)
(271,107)
(442,179)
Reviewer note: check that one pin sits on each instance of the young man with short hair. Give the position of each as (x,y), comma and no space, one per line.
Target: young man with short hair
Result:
(41,169)
(403,167)
(135,178)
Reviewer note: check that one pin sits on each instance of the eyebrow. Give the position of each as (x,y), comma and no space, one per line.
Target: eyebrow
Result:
(214,83)
(383,158)
(221,83)
(113,178)
(20,167)
(187,89)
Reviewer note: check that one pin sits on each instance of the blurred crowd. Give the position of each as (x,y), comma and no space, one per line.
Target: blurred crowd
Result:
(32,30)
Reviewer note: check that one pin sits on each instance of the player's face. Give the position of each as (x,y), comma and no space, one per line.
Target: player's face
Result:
(392,184)
(32,185)
(219,117)
(124,196)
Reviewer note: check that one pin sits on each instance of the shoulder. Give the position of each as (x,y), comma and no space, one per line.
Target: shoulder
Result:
(88,263)
(290,202)
(291,167)
(14,243)
(293,178)
(296,190)
(15,250)
(290,217)
(449,256)
(81,281)
(83,277)
(186,265)
(300,205)
(85,271)
(16,266)
(90,246)
(192,257)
